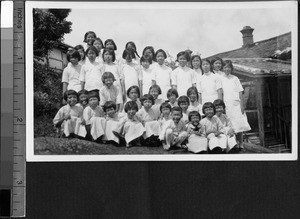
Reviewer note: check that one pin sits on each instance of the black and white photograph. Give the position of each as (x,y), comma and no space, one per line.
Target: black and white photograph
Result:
(118,81)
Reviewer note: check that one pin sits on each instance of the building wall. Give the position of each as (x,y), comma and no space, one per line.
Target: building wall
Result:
(57,59)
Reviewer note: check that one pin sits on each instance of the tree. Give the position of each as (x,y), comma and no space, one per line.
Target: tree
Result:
(49,27)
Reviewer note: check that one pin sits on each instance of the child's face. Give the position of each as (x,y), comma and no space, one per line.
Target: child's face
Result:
(133,94)
(128,58)
(165,111)
(90,39)
(131,113)
(148,53)
(176,116)
(209,112)
(219,110)
(217,65)
(182,61)
(93,102)
(160,58)
(146,65)
(154,93)
(72,100)
(83,99)
(184,106)
(193,96)
(110,112)
(196,63)
(147,104)
(98,45)
(81,52)
(195,120)
(110,45)
(91,55)
(172,98)
(108,82)
(107,57)
(227,69)
(74,60)
(206,67)
(130,46)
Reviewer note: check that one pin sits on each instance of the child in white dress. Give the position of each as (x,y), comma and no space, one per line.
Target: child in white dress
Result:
(183,103)
(149,51)
(99,46)
(214,129)
(162,73)
(155,91)
(197,141)
(148,78)
(80,49)
(210,85)
(172,96)
(193,95)
(196,66)
(89,38)
(218,64)
(133,94)
(111,45)
(183,77)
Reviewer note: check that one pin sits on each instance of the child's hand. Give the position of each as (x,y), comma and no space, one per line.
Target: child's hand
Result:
(83,122)
(66,117)
(230,133)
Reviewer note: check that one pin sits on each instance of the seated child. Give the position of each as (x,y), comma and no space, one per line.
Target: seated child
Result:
(165,118)
(155,91)
(172,96)
(197,141)
(69,115)
(93,116)
(214,129)
(229,132)
(193,95)
(183,103)
(149,119)
(175,132)
(83,98)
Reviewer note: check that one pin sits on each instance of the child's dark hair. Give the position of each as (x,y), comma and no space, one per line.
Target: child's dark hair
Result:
(131,88)
(107,75)
(151,50)
(208,105)
(197,56)
(171,92)
(128,52)
(162,51)
(87,33)
(183,99)
(78,47)
(83,91)
(94,93)
(209,62)
(134,47)
(109,104)
(192,89)
(98,39)
(185,54)
(131,105)
(93,48)
(214,59)
(110,41)
(194,113)
(155,86)
(110,52)
(70,92)
(147,97)
(73,53)
(229,63)
(146,59)
(176,108)
(219,102)
(165,105)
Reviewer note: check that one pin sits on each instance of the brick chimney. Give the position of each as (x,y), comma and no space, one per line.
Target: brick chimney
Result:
(247,36)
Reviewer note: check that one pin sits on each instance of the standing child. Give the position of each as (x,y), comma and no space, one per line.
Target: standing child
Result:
(149,119)
(99,46)
(233,99)
(162,73)
(91,72)
(80,49)
(149,51)
(210,85)
(214,129)
(218,64)
(148,78)
(89,38)
(174,133)
(83,98)
(111,45)
(110,92)
(93,116)
(183,103)
(183,77)
(155,91)
(197,141)
(193,95)
(70,76)
(196,66)
(172,96)
(131,45)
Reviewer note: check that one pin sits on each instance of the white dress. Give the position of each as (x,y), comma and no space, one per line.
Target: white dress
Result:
(231,140)
(156,107)
(150,122)
(112,124)
(132,74)
(91,74)
(208,87)
(196,143)
(132,128)
(198,76)
(162,76)
(196,106)
(95,118)
(71,76)
(183,78)
(115,70)
(110,94)
(147,78)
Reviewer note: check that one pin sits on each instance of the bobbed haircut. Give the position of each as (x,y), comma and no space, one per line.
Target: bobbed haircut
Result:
(110,52)
(171,92)
(110,41)
(165,105)
(69,93)
(155,86)
(192,89)
(107,75)
(73,53)
(87,33)
(147,97)
(228,63)
(196,56)
(93,48)
(194,113)
(131,105)
(183,99)
(78,47)
(128,52)
(162,51)
(146,59)
(94,93)
(185,54)
(151,50)
(134,87)
(176,108)
(83,91)
(219,102)
(109,104)
(208,105)
(214,59)
(133,46)
(98,39)
(209,62)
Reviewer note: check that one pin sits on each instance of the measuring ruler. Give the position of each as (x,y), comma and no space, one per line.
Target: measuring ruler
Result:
(19,120)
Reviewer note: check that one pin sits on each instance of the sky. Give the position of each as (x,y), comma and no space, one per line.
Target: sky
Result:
(204,29)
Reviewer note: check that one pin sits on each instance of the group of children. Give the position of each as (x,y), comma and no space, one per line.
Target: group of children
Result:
(145,102)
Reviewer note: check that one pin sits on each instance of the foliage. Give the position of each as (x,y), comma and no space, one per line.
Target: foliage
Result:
(49,27)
